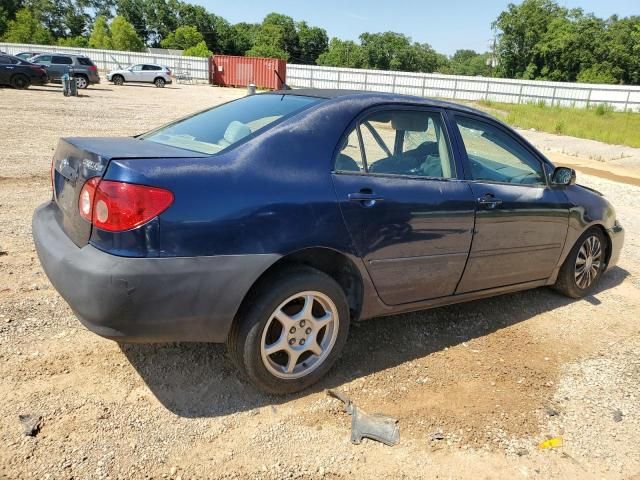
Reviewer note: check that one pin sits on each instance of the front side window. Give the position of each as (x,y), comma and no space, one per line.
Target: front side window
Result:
(43,59)
(349,157)
(495,156)
(405,142)
(136,68)
(218,128)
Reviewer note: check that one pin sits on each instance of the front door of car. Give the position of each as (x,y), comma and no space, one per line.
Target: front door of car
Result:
(45,60)
(410,218)
(521,223)
(134,74)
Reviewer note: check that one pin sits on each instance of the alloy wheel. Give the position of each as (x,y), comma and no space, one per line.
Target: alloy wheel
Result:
(81,82)
(588,262)
(299,335)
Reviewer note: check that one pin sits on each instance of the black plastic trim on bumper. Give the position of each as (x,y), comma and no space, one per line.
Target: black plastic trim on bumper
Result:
(616,235)
(145,299)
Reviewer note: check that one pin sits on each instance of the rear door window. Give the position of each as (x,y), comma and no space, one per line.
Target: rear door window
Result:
(85,61)
(60,60)
(405,142)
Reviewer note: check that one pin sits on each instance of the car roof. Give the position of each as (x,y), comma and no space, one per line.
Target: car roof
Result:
(377,97)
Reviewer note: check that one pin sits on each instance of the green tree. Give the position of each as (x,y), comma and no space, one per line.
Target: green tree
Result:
(8,9)
(100,35)
(79,41)
(124,36)
(313,41)
(27,28)
(288,36)
(343,53)
(520,28)
(243,37)
(269,43)
(134,12)
(469,62)
(199,50)
(183,38)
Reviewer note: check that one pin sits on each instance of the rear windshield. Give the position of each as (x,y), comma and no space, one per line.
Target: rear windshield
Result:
(218,128)
(84,61)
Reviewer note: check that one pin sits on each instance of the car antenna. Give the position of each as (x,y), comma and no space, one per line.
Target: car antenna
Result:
(284,84)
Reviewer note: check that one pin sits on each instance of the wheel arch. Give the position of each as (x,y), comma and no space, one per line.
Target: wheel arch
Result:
(333,263)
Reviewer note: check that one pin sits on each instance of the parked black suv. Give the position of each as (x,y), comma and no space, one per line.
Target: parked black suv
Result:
(21,73)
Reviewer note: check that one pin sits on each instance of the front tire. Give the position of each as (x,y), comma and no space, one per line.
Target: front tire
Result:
(118,80)
(584,265)
(291,330)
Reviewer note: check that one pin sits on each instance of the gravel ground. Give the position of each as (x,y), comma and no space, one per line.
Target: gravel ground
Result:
(475,386)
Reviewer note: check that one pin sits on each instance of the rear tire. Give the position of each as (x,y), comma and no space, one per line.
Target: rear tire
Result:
(584,265)
(290,331)
(159,82)
(118,80)
(82,81)
(20,81)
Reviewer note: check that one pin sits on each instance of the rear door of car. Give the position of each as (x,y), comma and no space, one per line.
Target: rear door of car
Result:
(149,72)
(408,213)
(60,64)
(521,222)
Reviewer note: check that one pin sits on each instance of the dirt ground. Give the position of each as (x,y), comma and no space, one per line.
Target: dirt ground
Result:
(475,386)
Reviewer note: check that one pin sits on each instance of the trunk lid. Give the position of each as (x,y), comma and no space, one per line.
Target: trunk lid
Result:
(76,160)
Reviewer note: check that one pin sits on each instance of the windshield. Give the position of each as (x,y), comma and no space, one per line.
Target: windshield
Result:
(216,129)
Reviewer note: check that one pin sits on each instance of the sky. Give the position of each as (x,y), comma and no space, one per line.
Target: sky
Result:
(447,25)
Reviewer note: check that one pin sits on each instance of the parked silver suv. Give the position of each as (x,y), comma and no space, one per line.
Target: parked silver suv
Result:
(80,66)
(141,73)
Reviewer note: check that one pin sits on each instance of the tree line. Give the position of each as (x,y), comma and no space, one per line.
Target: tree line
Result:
(536,39)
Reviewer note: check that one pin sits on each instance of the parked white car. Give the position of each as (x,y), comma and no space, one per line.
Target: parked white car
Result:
(141,73)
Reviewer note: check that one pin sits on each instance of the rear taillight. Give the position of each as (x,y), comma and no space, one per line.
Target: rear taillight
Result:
(119,206)
(92,68)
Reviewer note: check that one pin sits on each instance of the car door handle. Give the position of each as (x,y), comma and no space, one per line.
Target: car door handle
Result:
(365,197)
(489,201)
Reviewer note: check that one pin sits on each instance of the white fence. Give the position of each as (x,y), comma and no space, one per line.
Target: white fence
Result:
(465,88)
(421,84)
(107,60)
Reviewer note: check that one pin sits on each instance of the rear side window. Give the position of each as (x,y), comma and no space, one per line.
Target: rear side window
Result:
(59,60)
(216,129)
(495,156)
(7,60)
(150,67)
(85,61)
(400,142)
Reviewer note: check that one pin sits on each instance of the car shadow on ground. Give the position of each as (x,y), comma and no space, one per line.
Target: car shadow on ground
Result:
(198,380)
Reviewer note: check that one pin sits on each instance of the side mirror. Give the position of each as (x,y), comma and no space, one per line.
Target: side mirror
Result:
(563,176)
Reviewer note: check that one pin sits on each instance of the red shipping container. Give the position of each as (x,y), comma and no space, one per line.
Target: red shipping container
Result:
(231,71)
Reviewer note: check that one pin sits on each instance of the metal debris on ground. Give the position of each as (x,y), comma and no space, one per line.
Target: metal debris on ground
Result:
(30,424)
(617,415)
(379,427)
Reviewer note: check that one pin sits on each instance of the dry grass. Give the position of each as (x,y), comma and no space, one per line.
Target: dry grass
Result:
(597,123)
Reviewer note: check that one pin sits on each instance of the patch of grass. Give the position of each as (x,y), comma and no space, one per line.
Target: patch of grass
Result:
(600,122)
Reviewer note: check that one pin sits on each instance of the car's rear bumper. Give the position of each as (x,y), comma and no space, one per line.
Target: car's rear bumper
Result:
(145,299)
(616,235)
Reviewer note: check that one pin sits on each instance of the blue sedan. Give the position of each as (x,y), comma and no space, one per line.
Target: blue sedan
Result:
(274,221)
